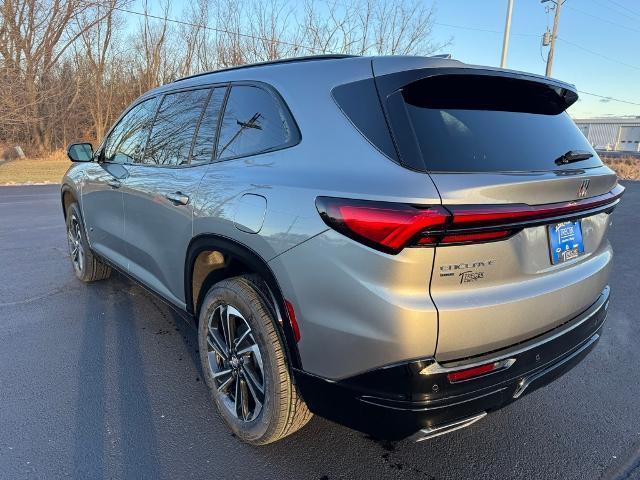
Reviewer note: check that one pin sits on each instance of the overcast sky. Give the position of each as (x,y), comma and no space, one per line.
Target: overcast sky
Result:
(598,48)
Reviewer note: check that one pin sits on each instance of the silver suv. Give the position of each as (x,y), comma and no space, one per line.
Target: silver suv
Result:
(397,244)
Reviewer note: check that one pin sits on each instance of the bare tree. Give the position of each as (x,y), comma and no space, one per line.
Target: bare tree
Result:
(194,37)
(267,24)
(95,58)
(34,35)
(156,63)
(69,67)
(229,40)
(369,27)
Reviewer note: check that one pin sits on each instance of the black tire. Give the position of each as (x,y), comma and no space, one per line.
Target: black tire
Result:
(283,411)
(86,265)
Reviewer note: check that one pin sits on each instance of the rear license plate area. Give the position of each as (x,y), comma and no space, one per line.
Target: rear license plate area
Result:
(565,241)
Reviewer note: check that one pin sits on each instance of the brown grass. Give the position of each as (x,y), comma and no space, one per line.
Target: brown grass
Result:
(627,168)
(49,169)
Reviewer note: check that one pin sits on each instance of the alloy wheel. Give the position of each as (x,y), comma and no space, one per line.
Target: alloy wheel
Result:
(76,249)
(235,363)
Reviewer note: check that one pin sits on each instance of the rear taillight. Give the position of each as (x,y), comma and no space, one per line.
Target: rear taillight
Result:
(385,226)
(472,237)
(471,216)
(390,227)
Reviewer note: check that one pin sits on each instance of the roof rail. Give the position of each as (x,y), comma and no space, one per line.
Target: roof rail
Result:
(446,56)
(271,62)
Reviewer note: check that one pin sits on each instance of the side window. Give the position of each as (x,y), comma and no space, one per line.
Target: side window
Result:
(174,127)
(126,141)
(253,122)
(204,144)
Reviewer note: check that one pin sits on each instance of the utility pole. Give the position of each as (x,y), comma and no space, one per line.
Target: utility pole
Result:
(554,34)
(505,40)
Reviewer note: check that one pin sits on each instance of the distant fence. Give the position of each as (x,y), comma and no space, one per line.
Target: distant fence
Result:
(612,154)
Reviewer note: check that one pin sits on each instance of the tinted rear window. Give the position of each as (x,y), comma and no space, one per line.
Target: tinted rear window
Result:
(254,122)
(487,124)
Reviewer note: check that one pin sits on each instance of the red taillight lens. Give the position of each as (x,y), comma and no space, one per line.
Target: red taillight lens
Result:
(475,237)
(471,216)
(390,227)
(471,372)
(480,370)
(386,226)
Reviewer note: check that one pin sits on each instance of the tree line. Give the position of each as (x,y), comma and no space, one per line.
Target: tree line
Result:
(69,67)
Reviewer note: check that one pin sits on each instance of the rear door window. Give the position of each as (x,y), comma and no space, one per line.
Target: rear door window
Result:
(254,122)
(467,123)
(174,127)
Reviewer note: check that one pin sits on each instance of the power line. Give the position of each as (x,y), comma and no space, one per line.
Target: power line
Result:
(214,29)
(598,54)
(624,7)
(628,102)
(603,19)
(612,7)
(609,98)
(475,29)
(219,30)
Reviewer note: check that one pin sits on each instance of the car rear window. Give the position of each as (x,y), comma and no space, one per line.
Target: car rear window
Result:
(474,123)
(254,121)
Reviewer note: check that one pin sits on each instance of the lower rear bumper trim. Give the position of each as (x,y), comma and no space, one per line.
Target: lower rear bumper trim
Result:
(427,433)
(396,401)
(527,381)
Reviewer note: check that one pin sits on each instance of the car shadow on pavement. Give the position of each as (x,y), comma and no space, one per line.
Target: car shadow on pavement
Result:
(113,380)
(90,406)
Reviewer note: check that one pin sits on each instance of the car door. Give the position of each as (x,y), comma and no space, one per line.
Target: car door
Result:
(102,204)
(159,190)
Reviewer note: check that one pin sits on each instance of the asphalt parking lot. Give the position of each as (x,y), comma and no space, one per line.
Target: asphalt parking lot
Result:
(103,381)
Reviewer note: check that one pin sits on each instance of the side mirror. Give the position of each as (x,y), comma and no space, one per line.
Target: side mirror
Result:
(80,152)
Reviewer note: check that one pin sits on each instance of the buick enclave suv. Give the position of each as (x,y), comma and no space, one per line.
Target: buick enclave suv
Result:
(397,244)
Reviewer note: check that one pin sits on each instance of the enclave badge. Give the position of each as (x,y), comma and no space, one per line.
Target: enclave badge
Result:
(584,186)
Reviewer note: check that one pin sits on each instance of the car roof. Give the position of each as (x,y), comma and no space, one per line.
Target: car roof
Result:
(287,70)
(290,67)
(308,58)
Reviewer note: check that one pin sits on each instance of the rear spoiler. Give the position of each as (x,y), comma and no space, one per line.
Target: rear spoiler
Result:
(464,87)
(415,68)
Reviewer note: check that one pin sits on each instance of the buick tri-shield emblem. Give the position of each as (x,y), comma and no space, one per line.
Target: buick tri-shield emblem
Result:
(584,186)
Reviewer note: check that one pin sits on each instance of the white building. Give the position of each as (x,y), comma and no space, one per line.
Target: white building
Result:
(612,133)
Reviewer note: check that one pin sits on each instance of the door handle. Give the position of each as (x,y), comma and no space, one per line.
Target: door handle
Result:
(114,183)
(178,198)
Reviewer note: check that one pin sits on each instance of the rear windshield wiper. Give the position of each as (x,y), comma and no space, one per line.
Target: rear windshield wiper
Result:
(573,156)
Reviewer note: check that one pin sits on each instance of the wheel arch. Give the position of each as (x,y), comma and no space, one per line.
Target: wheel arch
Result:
(236,259)
(67,197)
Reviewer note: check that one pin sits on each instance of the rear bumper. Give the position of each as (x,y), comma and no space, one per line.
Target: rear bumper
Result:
(398,400)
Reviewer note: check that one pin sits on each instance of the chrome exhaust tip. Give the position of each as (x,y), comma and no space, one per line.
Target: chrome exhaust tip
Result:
(432,432)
